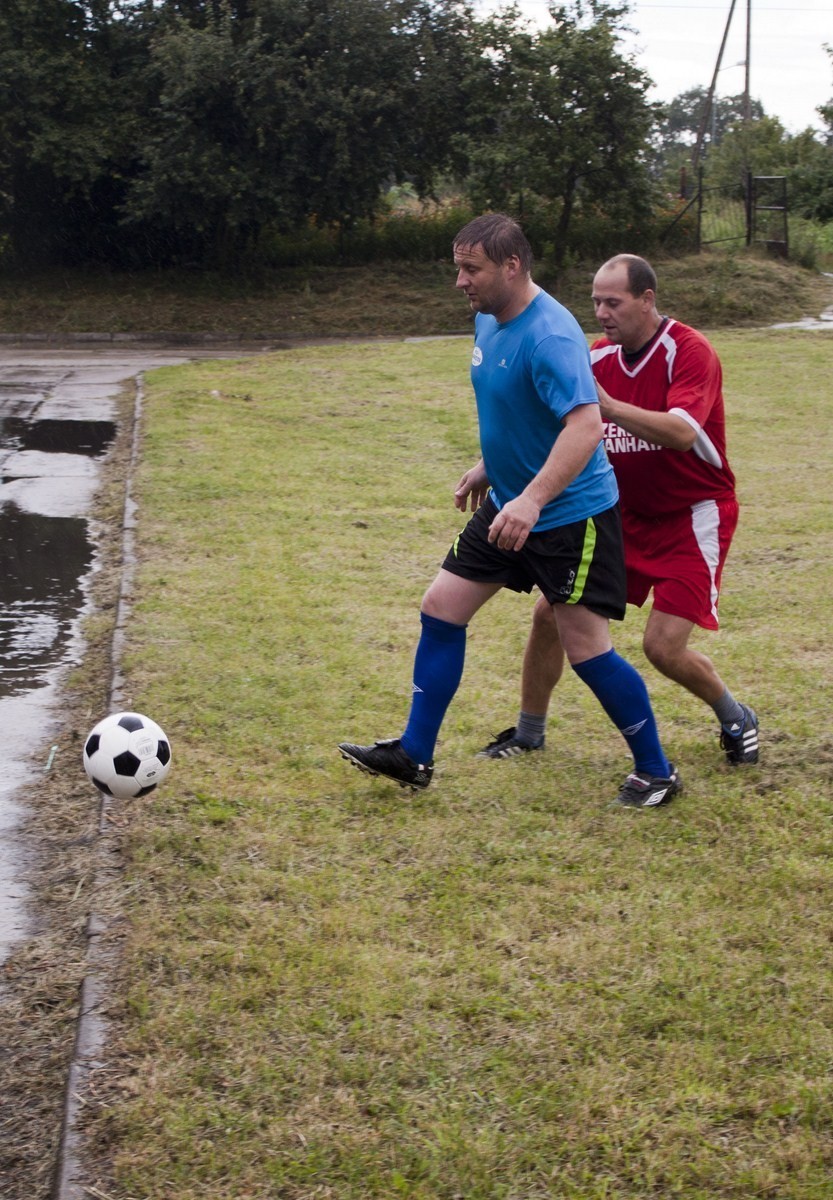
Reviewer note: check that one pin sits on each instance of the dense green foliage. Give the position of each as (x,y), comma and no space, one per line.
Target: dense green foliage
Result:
(218,132)
(177,132)
(567,119)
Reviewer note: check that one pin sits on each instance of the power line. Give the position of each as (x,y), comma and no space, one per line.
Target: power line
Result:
(721,7)
(779,8)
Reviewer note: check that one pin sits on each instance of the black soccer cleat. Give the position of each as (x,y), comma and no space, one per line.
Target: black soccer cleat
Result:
(507,744)
(740,739)
(648,791)
(388,758)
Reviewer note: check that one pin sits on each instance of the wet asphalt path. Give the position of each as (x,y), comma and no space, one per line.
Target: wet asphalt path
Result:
(58,411)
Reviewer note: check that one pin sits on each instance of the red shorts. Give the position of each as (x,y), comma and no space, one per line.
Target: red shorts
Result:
(681,557)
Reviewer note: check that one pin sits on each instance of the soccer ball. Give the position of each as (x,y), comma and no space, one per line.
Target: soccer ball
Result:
(127,755)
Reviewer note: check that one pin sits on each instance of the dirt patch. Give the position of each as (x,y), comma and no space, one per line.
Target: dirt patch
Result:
(40,981)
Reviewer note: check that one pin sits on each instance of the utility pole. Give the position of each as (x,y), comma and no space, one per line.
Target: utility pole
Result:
(747,101)
(695,158)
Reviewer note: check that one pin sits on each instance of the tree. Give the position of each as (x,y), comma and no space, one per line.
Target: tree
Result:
(62,120)
(756,146)
(810,171)
(825,111)
(303,111)
(564,116)
(176,130)
(811,181)
(684,119)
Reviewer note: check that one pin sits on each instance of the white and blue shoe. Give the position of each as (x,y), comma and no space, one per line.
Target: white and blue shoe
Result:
(649,791)
(740,738)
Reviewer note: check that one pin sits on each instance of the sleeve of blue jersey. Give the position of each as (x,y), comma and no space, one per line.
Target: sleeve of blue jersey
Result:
(562,374)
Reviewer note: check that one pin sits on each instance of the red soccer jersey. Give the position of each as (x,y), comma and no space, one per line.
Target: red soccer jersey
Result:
(679,372)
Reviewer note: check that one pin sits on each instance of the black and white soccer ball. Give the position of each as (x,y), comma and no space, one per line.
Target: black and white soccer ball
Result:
(127,755)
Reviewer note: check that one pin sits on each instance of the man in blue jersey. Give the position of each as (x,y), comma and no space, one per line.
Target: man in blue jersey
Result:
(545,512)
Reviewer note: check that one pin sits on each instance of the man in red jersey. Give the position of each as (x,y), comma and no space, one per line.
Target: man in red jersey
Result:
(660,387)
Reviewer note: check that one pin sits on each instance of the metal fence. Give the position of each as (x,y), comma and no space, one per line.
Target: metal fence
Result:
(754,211)
(768,213)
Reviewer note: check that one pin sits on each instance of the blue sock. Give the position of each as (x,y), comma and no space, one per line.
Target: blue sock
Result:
(438,669)
(622,693)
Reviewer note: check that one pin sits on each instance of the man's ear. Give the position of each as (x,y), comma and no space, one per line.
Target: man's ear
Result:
(513,266)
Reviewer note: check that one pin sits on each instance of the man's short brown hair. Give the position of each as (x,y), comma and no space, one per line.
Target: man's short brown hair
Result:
(500,236)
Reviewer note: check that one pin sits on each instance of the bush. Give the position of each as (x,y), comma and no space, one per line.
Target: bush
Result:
(811,244)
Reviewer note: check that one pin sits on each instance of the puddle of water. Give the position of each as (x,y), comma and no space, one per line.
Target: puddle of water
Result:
(824,321)
(60,437)
(42,562)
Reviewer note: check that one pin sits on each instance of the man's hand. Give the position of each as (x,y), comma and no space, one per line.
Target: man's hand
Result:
(605,401)
(512,525)
(664,428)
(472,487)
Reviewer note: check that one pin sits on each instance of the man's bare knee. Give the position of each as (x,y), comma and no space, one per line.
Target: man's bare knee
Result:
(543,620)
(663,655)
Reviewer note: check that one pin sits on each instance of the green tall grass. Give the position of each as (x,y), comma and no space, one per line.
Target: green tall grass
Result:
(391,299)
(499,989)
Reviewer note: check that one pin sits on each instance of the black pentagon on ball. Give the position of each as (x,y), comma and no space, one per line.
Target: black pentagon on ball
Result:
(126,764)
(144,791)
(131,722)
(92,745)
(163,752)
(102,787)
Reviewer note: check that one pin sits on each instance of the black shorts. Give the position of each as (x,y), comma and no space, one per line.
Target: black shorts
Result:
(581,563)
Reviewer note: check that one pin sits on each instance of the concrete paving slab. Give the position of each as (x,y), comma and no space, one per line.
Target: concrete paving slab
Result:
(37,464)
(41,496)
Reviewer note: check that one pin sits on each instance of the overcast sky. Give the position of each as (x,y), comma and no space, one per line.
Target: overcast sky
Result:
(677,43)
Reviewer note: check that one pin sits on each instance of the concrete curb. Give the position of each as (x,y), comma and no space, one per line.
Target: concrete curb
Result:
(91,1029)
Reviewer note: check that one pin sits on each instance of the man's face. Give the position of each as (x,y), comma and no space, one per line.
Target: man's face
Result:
(625,319)
(488,285)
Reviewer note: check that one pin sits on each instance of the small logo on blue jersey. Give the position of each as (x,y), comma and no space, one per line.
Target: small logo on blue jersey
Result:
(477,357)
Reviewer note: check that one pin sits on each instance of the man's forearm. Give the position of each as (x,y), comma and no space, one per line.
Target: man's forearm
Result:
(662,428)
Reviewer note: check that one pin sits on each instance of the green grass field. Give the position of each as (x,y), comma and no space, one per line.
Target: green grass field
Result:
(498,989)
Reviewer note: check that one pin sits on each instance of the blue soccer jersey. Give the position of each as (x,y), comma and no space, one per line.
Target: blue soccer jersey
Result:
(527,375)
